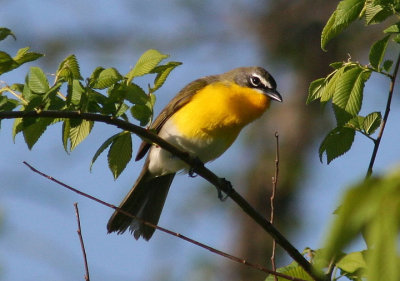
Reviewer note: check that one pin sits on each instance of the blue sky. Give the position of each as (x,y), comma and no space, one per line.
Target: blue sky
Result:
(38,238)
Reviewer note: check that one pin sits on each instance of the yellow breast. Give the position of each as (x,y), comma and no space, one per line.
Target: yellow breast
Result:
(220,110)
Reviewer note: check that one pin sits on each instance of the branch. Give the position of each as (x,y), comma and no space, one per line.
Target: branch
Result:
(193,162)
(79,231)
(385,118)
(204,246)
(274,184)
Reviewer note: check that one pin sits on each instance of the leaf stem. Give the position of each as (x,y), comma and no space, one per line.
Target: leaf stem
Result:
(385,118)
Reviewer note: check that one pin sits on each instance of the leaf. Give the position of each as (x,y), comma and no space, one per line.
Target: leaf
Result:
(33,132)
(346,12)
(141,113)
(120,153)
(353,265)
(135,94)
(371,207)
(377,52)
(387,65)
(68,69)
(66,127)
(376,12)
(150,59)
(17,127)
(372,122)
(395,28)
(5,32)
(336,143)
(356,123)
(102,148)
(37,81)
(79,132)
(330,87)
(348,95)
(107,78)
(315,90)
(23,56)
(293,270)
(162,73)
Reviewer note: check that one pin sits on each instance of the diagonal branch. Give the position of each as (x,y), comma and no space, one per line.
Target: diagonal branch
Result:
(193,162)
(204,246)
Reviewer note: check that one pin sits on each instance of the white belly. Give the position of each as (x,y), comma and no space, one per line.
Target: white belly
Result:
(162,162)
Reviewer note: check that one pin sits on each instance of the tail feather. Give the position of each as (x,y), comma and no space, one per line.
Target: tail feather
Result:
(145,200)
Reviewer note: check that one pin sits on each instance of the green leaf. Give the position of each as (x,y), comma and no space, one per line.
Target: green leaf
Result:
(162,73)
(23,56)
(6,62)
(377,52)
(336,143)
(346,12)
(149,60)
(33,132)
(371,207)
(7,104)
(348,95)
(135,94)
(37,81)
(372,122)
(78,132)
(141,113)
(17,127)
(66,127)
(387,65)
(376,12)
(315,90)
(395,28)
(68,69)
(5,32)
(106,78)
(329,90)
(99,151)
(356,123)
(353,265)
(293,270)
(120,153)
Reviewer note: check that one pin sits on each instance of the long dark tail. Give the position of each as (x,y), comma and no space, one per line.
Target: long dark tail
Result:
(145,200)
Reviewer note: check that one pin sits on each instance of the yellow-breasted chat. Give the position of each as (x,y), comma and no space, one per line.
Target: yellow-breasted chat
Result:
(203,119)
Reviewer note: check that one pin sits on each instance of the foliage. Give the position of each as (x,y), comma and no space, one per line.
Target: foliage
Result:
(106,91)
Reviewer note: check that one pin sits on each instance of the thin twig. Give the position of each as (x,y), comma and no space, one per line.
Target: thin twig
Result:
(79,231)
(193,162)
(385,118)
(274,184)
(204,246)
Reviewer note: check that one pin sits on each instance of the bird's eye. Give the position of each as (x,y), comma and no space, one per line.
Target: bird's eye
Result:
(255,81)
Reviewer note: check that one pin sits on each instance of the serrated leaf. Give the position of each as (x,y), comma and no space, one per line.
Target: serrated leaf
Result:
(79,132)
(37,81)
(7,104)
(66,127)
(6,62)
(103,147)
(336,143)
(346,12)
(348,95)
(120,153)
(356,123)
(142,113)
(69,69)
(330,88)
(150,59)
(17,127)
(372,122)
(107,78)
(293,270)
(376,12)
(315,90)
(23,56)
(135,94)
(5,32)
(33,132)
(162,73)
(377,52)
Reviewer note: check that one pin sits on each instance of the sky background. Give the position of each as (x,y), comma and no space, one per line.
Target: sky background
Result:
(38,239)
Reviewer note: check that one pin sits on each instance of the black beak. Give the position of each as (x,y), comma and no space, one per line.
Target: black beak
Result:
(273,94)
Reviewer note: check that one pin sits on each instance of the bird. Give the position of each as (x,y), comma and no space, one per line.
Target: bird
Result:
(203,119)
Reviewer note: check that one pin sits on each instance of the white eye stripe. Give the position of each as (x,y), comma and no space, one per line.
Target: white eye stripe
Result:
(263,80)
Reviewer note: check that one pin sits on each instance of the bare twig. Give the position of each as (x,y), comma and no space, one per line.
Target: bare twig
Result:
(193,162)
(204,246)
(79,231)
(385,118)
(274,184)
